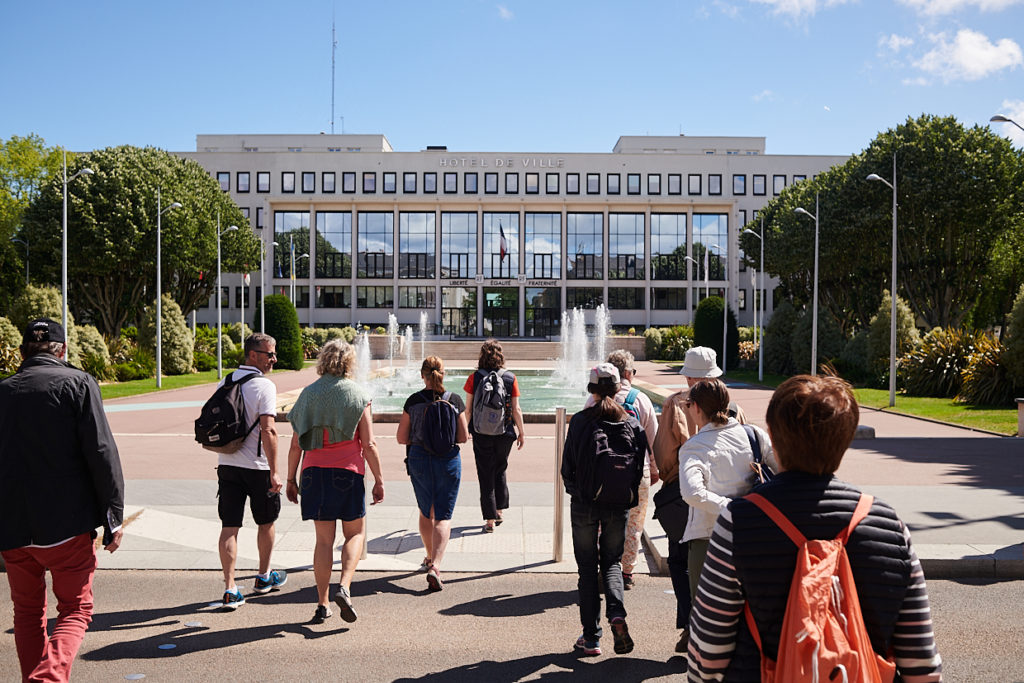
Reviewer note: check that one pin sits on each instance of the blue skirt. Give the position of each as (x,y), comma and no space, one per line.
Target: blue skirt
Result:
(435,481)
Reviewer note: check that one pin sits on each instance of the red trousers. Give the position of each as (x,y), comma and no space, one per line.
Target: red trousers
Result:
(72,566)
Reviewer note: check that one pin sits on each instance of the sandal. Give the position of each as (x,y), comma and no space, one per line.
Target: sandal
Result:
(499,520)
(434,579)
(489,527)
(426,564)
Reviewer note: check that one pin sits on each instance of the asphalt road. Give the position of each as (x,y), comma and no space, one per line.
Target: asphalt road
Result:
(494,628)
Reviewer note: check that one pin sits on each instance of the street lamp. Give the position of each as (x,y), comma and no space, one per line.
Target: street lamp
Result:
(220,370)
(725,308)
(21,241)
(892,312)
(64,240)
(999,118)
(263,282)
(757,330)
(814,318)
(159,340)
(689,297)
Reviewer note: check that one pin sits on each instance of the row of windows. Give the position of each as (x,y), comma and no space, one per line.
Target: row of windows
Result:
(591,183)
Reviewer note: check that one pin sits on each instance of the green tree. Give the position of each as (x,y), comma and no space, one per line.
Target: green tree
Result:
(1013,356)
(707,329)
(778,337)
(830,340)
(283,326)
(907,336)
(177,342)
(44,302)
(112,218)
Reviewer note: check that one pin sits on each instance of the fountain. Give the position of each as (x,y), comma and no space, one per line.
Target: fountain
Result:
(362,358)
(392,339)
(423,335)
(407,341)
(602,328)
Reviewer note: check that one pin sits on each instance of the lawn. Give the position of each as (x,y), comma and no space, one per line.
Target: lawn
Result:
(145,386)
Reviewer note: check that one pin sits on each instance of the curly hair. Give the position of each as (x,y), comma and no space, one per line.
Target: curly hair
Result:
(336,358)
(491,357)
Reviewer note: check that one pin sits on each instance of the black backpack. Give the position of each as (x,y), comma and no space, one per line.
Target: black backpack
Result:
(437,426)
(221,426)
(610,464)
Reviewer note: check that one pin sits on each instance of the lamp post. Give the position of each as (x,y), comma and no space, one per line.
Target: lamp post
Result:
(159,340)
(999,118)
(760,347)
(220,370)
(892,312)
(814,315)
(689,297)
(725,308)
(263,282)
(64,241)
(21,241)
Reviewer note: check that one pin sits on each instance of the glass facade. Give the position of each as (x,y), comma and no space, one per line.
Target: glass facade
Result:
(543,245)
(626,298)
(711,232)
(626,246)
(584,237)
(291,228)
(501,245)
(668,246)
(458,245)
(331,296)
(375,297)
(416,236)
(543,311)
(416,297)
(376,255)
(583,297)
(333,244)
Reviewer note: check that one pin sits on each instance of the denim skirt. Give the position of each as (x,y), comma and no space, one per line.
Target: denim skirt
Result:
(330,493)
(435,481)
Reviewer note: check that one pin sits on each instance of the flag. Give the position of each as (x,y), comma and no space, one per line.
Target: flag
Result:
(292,269)
(753,277)
(706,253)
(247,279)
(503,243)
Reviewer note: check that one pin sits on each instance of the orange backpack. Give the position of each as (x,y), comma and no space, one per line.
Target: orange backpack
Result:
(823,636)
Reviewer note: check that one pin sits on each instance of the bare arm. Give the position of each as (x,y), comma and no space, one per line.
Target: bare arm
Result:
(402,436)
(268,435)
(469,406)
(517,418)
(291,490)
(370,454)
(461,429)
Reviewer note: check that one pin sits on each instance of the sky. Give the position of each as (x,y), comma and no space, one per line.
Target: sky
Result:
(811,76)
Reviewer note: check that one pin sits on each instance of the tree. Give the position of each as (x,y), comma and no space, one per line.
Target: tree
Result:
(283,326)
(176,343)
(112,218)
(879,331)
(707,329)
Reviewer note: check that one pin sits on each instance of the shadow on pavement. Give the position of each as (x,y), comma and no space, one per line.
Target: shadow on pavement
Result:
(513,606)
(567,667)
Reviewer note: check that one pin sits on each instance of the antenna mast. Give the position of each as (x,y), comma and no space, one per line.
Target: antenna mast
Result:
(334,48)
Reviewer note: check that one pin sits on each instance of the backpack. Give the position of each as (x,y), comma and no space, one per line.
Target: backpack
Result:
(823,637)
(221,425)
(437,426)
(762,471)
(490,404)
(610,465)
(629,405)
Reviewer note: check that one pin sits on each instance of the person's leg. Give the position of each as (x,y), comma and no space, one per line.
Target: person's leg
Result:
(323,557)
(230,508)
(447,473)
(427,535)
(584,547)
(228,548)
(265,535)
(635,526)
(440,534)
(610,543)
(27,579)
(484,453)
(677,558)
(354,532)
(503,448)
(265,508)
(72,566)
(695,562)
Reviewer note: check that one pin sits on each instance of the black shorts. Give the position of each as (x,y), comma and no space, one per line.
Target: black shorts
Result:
(234,484)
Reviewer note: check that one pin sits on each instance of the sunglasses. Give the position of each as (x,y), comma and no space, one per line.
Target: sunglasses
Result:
(270,354)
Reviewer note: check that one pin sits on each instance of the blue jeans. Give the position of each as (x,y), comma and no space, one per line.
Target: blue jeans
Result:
(598,535)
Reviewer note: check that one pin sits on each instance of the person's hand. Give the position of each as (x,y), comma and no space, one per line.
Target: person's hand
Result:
(115,541)
(292,491)
(378,492)
(520,440)
(655,477)
(275,484)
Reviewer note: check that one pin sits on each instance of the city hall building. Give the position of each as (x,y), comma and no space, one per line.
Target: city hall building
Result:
(497,243)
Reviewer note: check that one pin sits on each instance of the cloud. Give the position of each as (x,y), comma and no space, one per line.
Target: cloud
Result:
(799,8)
(1011,109)
(505,13)
(895,43)
(939,7)
(764,95)
(970,56)
(728,9)
(920,80)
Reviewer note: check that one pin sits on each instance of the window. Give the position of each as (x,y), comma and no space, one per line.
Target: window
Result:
(741,301)
(710,232)
(348,182)
(653,183)
(390,182)
(225,297)
(739,183)
(416,297)
(375,297)
(583,297)
(693,184)
(376,244)
(333,244)
(259,217)
(675,183)
(632,183)
(626,297)
(552,183)
(511,183)
(668,298)
(612,182)
(491,183)
(308,181)
(593,183)
(501,244)
(759,184)
(245,211)
(532,183)
(715,184)
(572,183)
(543,308)
(458,310)
(584,242)
(369,182)
(263,181)
(430,183)
(291,228)
(668,246)
(470,181)
(287,181)
(416,244)
(242,181)
(238,297)
(778,184)
(409,183)
(796,179)
(626,246)
(543,245)
(327,182)
(333,296)
(224,178)
(451,183)
(458,246)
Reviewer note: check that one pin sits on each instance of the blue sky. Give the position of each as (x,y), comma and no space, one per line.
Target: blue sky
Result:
(812,76)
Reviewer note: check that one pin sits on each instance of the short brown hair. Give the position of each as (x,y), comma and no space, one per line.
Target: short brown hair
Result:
(491,357)
(712,397)
(811,421)
(337,357)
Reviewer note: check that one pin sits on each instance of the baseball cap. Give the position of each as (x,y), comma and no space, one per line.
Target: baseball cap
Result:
(701,361)
(603,375)
(45,330)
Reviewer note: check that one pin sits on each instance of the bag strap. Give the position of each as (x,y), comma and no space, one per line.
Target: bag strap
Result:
(776,516)
(859,513)
(755,444)
(630,399)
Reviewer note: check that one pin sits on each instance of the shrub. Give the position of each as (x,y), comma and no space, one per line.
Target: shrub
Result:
(676,341)
(379,330)
(778,338)
(204,361)
(907,336)
(235,331)
(139,363)
(206,340)
(96,366)
(131,333)
(310,341)
(935,367)
(707,329)
(44,302)
(9,333)
(1013,355)
(746,334)
(10,359)
(830,340)
(90,342)
(177,341)
(985,381)
(652,343)
(748,351)
(852,363)
(283,325)
(232,359)
(349,334)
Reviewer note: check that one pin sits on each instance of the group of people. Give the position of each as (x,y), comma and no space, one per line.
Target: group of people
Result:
(61,482)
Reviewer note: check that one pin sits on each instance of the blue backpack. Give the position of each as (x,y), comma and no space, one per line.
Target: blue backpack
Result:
(437,427)
(630,403)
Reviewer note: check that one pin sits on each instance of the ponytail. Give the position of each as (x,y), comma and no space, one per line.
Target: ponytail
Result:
(433,373)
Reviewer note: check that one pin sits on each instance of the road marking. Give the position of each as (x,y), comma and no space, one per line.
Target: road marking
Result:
(164,405)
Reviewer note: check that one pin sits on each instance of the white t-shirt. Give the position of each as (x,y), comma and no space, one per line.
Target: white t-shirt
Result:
(260,397)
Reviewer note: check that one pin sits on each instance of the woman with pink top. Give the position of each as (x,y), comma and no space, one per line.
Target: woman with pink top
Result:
(332,438)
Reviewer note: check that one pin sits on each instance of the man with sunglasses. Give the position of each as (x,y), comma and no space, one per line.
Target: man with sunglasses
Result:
(251,473)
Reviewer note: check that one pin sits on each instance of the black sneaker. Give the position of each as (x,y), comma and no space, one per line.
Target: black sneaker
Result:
(323,612)
(273,582)
(620,632)
(684,641)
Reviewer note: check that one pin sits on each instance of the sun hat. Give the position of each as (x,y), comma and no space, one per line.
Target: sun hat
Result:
(701,361)
(604,377)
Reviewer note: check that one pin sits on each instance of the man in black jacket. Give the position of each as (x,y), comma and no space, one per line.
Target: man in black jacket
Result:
(60,479)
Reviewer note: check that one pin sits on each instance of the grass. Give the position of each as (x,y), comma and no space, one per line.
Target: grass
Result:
(146,386)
